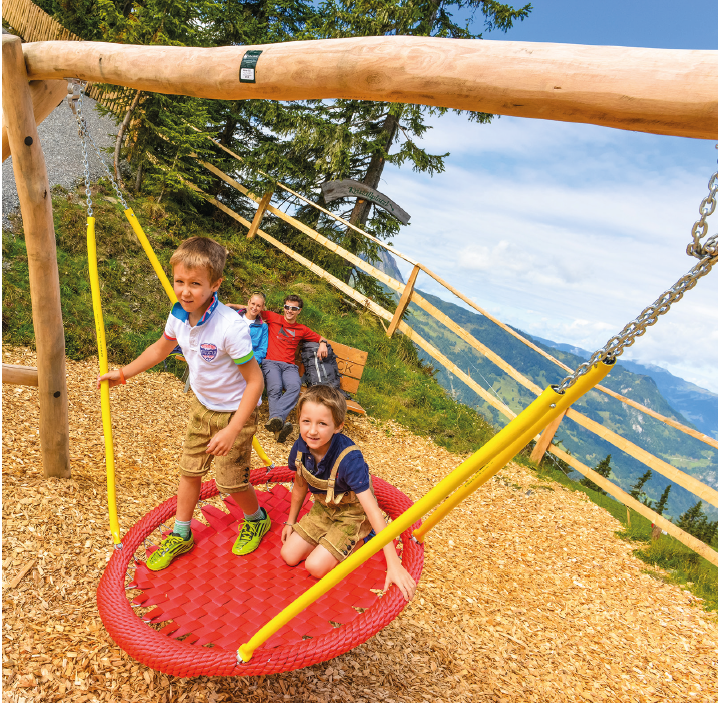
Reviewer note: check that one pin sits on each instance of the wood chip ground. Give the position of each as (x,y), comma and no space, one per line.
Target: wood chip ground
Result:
(527,594)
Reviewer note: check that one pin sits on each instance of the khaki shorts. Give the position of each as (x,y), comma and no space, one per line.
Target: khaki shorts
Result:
(233,469)
(338,528)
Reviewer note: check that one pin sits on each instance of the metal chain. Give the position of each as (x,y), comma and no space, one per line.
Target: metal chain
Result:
(649,316)
(75,100)
(700,228)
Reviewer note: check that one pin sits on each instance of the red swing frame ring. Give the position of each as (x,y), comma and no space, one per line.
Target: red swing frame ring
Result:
(170,656)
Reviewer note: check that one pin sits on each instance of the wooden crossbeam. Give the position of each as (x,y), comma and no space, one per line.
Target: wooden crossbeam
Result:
(19,375)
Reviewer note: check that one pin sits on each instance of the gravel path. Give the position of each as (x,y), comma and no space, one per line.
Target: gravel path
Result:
(63,154)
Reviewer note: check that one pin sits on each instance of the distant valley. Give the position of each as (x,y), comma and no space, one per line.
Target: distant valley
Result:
(653,387)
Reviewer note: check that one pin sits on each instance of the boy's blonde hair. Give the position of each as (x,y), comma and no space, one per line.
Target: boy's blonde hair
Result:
(329,397)
(201,253)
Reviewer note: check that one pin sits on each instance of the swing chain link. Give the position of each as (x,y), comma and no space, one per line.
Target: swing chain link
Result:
(700,228)
(75,100)
(649,316)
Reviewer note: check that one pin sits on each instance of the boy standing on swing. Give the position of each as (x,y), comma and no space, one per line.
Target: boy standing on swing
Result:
(227,382)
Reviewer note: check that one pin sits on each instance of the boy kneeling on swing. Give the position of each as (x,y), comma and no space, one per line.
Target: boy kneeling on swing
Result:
(345,510)
(227,383)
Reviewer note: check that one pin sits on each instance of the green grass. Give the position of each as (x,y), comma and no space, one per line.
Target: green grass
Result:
(395,385)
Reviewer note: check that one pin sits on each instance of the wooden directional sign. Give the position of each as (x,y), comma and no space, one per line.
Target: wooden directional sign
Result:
(333,190)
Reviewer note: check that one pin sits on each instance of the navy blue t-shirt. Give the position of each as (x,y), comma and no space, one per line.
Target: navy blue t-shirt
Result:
(353,474)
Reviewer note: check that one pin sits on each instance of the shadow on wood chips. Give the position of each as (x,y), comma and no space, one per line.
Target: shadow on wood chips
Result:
(527,595)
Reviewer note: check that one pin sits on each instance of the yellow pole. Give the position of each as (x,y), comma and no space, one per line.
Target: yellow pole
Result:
(543,409)
(261,452)
(578,389)
(151,254)
(105,385)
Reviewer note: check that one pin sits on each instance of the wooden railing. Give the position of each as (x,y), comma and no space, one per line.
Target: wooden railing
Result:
(407,294)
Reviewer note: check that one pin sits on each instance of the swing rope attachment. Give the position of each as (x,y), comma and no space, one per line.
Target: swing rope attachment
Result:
(75,101)
(707,253)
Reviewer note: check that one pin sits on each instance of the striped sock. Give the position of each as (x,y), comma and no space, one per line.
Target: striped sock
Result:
(182,528)
(259,514)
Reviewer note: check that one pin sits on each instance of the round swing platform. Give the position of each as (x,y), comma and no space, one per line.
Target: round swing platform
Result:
(216,601)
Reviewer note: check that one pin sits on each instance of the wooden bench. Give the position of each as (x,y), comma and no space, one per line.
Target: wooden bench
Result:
(351,364)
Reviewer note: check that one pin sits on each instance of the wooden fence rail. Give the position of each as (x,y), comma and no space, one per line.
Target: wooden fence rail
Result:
(682,479)
(418,300)
(617,492)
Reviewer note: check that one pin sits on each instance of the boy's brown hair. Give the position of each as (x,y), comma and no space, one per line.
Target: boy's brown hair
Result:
(201,253)
(329,397)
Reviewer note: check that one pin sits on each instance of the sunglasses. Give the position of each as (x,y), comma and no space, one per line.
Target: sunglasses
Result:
(292,307)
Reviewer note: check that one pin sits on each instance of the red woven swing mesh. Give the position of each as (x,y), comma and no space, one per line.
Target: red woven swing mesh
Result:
(218,601)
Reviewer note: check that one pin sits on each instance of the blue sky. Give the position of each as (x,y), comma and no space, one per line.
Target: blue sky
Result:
(565,230)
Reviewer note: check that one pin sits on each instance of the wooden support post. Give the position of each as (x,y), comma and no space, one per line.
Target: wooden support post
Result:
(259,213)
(404,301)
(33,190)
(545,438)
(19,375)
(46,95)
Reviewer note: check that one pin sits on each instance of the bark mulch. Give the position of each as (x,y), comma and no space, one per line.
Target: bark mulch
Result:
(527,594)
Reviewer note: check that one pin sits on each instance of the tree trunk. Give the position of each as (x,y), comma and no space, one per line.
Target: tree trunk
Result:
(361,210)
(121,135)
(225,136)
(139,177)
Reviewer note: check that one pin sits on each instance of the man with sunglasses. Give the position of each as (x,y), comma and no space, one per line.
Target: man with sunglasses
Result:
(281,373)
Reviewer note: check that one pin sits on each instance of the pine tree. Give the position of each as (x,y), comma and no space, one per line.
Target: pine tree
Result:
(660,505)
(367,132)
(637,490)
(695,522)
(604,469)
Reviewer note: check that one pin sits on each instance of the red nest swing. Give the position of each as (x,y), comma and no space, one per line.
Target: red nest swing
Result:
(216,601)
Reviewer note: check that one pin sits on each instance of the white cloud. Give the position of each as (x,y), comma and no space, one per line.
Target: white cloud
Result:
(567,231)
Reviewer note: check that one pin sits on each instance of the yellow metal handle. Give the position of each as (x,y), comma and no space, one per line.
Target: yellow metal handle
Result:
(578,389)
(105,385)
(541,410)
(261,452)
(150,254)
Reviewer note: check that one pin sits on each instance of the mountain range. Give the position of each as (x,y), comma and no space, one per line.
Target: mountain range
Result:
(678,449)
(698,405)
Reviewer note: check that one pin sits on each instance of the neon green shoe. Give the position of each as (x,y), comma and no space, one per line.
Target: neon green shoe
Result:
(251,533)
(172,546)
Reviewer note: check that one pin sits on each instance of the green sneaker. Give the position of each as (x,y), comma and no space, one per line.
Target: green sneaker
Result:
(172,546)
(250,535)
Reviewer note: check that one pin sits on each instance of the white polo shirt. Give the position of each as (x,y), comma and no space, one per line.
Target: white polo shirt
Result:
(213,349)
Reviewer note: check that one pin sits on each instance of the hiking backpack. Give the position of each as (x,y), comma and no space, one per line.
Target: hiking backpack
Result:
(320,371)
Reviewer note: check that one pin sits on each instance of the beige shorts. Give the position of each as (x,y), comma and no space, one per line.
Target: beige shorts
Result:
(232,470)
(338,528)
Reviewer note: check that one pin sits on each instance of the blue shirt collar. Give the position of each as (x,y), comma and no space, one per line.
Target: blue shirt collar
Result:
(303,448)
(180,314)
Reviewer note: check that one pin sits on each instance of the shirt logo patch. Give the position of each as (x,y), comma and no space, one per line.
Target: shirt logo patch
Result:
(287,333)
(208,351)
